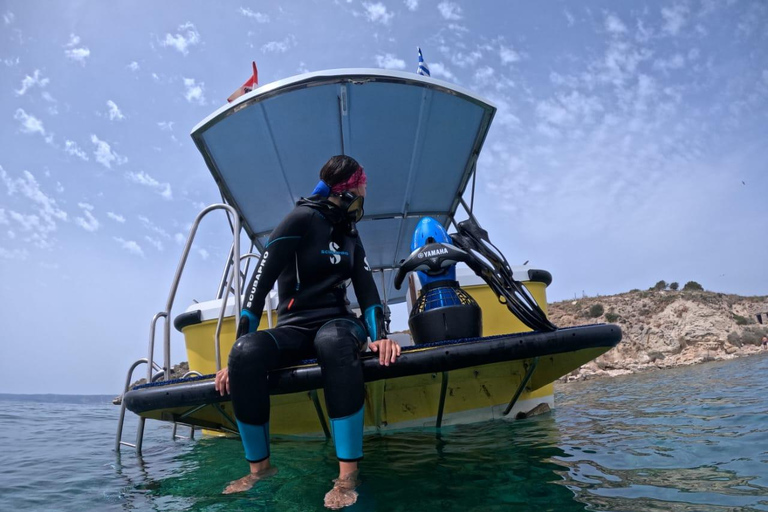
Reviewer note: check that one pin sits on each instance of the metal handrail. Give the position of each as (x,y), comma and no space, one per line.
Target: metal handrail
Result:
(151,355)
(119,438)
(223,309)
(180,268)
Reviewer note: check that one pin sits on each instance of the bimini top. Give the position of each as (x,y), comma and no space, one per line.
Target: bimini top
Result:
(417,138)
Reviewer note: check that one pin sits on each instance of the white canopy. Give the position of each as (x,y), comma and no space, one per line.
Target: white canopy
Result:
(417,138)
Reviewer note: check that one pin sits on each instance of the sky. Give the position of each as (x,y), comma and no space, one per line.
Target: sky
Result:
(630,145)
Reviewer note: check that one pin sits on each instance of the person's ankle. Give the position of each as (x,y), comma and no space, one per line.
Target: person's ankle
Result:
(258,467)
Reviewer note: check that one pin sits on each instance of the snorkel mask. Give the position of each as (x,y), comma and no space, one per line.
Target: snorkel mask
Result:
(353,205)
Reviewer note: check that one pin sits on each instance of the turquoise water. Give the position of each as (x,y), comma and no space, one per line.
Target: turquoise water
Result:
(688,439)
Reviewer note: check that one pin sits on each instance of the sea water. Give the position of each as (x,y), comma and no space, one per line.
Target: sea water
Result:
(687,439)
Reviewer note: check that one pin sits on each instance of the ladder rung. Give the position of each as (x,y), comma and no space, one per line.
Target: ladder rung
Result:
(127,444)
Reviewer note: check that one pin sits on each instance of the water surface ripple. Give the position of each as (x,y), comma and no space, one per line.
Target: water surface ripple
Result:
(688,439)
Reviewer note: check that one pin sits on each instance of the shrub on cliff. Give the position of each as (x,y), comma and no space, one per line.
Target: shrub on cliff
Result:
(740,320)
(749,336)
(661,285)
(611,317)
(596,310)
(674,286)
(692,286)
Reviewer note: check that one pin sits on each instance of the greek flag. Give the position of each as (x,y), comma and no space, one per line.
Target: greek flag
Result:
(423,69)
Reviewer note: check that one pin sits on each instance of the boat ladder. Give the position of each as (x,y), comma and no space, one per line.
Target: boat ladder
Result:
(164,372)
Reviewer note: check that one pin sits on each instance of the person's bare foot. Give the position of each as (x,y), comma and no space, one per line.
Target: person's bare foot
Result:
(249,480)
(343,493)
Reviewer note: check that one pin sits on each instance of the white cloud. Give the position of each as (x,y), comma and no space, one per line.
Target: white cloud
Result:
(88,222)
(676,61)
(42,223)
(412,5)
(378,13)
(179,238)
(449,10)
(133,66)
(194,93)
(389,61)
(203,254)
(189,36)
(279,46)
(29,123)
(259,17)
(71,148)
(8,17)
(31,81)
(10,62)
(674,18)
(614,25)
(116,217)
(439,69)
(76,54)
(464,60)
(104,154)
(16,254)
(130,246)
(155,242)
(166,126)
(114,111)
(154,227)
(569,17)
(508,55)
(142,178)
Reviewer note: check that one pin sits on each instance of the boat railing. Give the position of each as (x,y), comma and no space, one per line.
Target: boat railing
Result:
(164,372)
(224,296)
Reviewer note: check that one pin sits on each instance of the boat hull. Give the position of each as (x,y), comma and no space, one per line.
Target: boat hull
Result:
(482,375)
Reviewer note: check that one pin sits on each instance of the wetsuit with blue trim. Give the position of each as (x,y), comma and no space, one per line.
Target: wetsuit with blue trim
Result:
(313,255)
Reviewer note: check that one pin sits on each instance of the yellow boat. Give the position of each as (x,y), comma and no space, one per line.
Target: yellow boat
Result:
(407,129)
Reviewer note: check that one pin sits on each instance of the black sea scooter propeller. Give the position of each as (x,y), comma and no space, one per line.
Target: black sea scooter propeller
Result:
(432,259)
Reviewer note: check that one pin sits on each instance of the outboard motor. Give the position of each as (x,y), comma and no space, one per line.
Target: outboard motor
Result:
(443,311)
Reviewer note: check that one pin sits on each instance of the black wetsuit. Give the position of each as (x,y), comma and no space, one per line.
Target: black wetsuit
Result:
(313,254)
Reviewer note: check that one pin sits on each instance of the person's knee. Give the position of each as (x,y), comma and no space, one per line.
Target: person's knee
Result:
(338,343)
(252,351)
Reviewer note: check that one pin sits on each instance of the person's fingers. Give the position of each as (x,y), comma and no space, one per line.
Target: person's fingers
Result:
(226,383)
(374,346)
(394,352)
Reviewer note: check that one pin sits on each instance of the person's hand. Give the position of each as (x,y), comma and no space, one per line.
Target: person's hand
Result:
(388,350)
(221,384)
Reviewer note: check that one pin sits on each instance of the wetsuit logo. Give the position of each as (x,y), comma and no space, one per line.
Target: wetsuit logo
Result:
(366,265)
(256,277)
(335,257)
(334,252)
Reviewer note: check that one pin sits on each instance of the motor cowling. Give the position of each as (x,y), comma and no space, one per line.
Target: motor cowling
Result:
(443,311)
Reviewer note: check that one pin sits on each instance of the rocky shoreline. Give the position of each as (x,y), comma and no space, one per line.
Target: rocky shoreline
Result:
(666,329)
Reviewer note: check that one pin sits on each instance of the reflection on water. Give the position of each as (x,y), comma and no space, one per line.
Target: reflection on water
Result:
(678,440)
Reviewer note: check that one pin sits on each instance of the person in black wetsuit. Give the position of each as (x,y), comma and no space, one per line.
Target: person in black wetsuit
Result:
(312,254)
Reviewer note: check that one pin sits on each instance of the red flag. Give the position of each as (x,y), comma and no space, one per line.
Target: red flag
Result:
(247,87)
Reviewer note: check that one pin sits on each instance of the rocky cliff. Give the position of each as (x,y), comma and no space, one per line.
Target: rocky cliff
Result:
(664,328)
